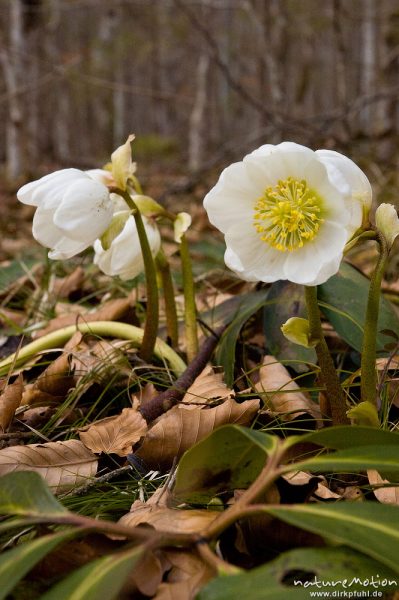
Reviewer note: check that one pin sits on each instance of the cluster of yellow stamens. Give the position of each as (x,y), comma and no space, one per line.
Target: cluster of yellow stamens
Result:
(288,214)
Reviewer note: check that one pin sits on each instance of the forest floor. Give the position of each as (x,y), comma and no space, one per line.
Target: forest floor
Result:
(158,505)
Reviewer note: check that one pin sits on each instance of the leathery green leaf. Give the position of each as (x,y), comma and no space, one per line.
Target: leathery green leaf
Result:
(230,457)
(100,579)
(16,563)
(380,458)
(25,493)
(295,574)
(368,527)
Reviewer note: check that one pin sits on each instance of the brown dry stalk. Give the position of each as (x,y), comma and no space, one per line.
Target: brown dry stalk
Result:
(165,400)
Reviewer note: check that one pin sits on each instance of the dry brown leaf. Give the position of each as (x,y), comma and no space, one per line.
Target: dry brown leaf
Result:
(282,395)
(302,478)
(99,360)
(188,574)
(62,465)
(167,519)
(385,495)
(53,384)
(12,317)
(113,310)
(115,434)
(182,427)
(147,574)
(156,512)
(147,393)
(391,361)
(10,399)
(207,387)
(63,287)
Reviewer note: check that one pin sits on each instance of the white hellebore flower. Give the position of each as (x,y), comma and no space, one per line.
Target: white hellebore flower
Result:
(72,211)
(123,255)
(287,212)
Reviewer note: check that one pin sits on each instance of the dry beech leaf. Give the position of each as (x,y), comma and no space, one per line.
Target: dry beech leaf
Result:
(147,574)
(156,512)
(63,287)
(115,435)
(12,317)
(61,464)
(99,359)
(302,478)
(182,427)
(167,519)
(385,495)
(10,399)
(187,575)
(282,395)
(147,393)
(207,387)
(391,361)
(113,310)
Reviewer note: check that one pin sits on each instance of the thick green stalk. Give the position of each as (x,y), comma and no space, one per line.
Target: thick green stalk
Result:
(151,323)
(368,386)
(123,331)
(169,297)
(190,311)
(334,392)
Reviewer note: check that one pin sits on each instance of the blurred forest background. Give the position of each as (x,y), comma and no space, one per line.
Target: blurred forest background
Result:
(200,82)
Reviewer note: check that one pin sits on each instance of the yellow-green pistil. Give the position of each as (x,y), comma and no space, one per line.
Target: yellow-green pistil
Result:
(288,215)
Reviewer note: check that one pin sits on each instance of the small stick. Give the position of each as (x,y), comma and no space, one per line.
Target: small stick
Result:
(165,400)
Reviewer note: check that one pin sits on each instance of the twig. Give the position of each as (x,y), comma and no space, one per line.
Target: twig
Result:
(165,400)
(83,489)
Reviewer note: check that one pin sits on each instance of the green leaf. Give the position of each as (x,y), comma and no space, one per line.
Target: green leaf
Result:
(343,299)
(276,580)
(347,436)
(380,458)
(101,579)
(25,493)
(225,355)
(230,457)
(369,527)
(289,301)
(15,563)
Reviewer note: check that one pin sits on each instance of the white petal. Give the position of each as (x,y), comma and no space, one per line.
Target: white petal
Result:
(264,150)
(124,257)
(233,197)
(43,228)
(259,261)
(101,175)
(85,211)
(233,262)
(47,189)
(318,260)
(66,248)
(50,236)
(360,188)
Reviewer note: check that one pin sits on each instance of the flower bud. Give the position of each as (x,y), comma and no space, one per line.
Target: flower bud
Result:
(296,330)
(181,224)
(387,222)
(364,413)
(122,167)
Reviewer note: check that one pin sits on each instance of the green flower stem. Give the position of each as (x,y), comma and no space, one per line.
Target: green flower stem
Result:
(334,392)
(190,312)
(368,384)
(151,323)
(169,295)
(115,329)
